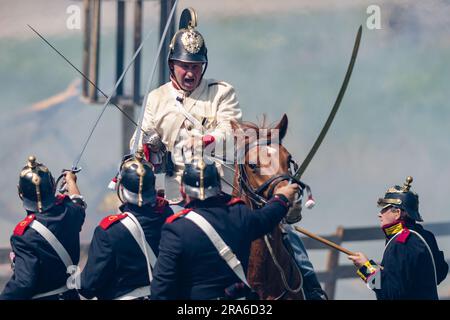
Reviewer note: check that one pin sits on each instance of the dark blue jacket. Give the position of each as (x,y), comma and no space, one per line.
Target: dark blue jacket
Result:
(38,268)
(116,265)
(408,272)
(189,266)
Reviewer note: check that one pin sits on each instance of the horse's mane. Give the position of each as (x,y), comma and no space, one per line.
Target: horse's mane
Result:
(251,125)
(248,125)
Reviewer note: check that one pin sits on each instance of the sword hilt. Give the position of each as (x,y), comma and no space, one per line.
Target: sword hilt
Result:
(63,187)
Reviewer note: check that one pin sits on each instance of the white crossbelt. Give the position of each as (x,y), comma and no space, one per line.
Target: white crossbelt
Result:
(426,245)
(224,250)
(183,110)
(60,251)
(134,227)
(431,254)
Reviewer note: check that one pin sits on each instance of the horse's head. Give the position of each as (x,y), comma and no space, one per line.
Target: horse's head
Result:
(263,163)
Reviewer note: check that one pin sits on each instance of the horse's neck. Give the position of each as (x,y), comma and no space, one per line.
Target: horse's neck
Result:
(237,191)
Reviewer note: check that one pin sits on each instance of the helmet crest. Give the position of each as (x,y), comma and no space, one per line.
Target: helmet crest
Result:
(188,45)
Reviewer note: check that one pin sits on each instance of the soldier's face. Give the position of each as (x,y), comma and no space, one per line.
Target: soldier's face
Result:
(188,75)
(389,215)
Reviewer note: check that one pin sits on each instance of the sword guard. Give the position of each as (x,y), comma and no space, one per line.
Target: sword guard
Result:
(63,187)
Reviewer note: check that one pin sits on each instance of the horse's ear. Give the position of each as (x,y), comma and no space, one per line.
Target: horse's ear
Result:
(235,125)
(282,126)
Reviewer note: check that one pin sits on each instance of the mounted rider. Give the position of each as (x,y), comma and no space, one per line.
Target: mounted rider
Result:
(187,106)
(190,106)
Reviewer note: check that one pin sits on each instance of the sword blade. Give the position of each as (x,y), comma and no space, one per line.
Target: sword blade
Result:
(77,160)
(81,73)
(298,174)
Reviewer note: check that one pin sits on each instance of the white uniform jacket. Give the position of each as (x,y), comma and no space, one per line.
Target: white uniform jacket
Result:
(213,103)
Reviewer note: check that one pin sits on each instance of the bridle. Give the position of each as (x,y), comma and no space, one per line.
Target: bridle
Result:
(259,196)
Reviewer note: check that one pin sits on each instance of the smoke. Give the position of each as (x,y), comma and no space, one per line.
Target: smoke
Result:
(281,57)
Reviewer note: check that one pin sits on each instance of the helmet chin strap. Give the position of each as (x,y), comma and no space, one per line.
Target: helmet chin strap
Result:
(175,82)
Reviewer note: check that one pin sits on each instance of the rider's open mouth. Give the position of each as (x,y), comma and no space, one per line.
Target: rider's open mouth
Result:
(189,80)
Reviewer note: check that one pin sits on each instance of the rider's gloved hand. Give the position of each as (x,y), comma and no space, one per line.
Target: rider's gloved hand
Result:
(208,139)
(289,191)
(70,177)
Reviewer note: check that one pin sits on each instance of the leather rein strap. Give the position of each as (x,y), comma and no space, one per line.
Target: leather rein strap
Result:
(256,196)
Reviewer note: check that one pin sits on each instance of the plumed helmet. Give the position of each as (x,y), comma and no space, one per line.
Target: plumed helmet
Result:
(188,45)
(403,198)
(36,186)
(201,180)
(136,181)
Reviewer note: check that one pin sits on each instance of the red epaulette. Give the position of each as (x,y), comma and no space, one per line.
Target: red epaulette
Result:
(22,225)
(60,198)
(177,215)
(235,201)
(161,204)
(109,220)
(403,236)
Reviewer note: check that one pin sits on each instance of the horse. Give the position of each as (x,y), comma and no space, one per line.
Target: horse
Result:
(272,271)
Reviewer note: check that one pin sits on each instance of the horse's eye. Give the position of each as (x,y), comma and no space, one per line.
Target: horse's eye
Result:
(253,166)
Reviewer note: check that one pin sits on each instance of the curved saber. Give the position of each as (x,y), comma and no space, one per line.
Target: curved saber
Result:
(81,73)
(298,174)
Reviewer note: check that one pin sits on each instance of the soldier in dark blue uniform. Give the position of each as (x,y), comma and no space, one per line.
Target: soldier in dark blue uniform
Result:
(412,264)
(46,244)
(194,264)
(125,245)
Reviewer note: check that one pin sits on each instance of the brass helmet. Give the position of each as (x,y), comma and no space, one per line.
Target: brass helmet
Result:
(403,198)
(200,180)
(136,181)
(188,45)
(36,186)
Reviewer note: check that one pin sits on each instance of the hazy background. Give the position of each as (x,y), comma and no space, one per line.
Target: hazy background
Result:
(281,57)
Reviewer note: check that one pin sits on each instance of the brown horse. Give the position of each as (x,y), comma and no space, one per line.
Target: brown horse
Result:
(272,271)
